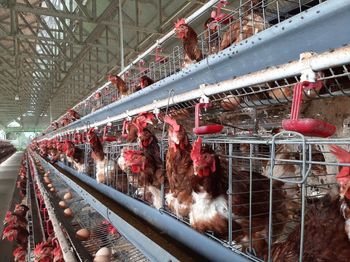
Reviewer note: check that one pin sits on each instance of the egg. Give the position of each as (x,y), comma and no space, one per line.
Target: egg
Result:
(67,196)
(83,234)
(68,212)
(46,174)
(52,189)
(47,180)
(103,255)
(50,185)
(63,204)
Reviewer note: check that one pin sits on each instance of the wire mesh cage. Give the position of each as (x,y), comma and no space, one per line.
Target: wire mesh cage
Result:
(268,185)
(229,24)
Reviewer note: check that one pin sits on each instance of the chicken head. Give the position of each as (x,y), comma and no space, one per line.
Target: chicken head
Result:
(10,232)
(181,28)
(20,254)
(204,163)
(135,160)
(176,133)
(69,148)
(343,178)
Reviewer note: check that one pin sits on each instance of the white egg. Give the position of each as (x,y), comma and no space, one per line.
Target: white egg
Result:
(103,255)
(67,196)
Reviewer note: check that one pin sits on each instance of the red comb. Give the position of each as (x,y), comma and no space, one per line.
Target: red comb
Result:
(8,215)
(196,149)
(180,22)
(129,153)
(173,123)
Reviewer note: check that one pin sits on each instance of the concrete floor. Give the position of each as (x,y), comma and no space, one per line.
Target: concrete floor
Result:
(9,170)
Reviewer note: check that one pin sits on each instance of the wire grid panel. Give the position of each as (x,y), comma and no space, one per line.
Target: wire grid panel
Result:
(236,25)
(273,186)
(88,218)
(101,231)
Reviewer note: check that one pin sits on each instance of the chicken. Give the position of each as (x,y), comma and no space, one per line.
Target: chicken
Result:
(16,233)
(209,193)
(145,176)
(179,169)
(291,171)
(343,178)
(14,219)
(55,125)
(328,218)
(74,155)
(73,115)
(43,252)
(65,121)
(21,210)
(119,84)
(131,129)
(211,36)
(20,254)
(190,42)
(144,82)
(209,211)
(105,169)
(251,24)
(54,153)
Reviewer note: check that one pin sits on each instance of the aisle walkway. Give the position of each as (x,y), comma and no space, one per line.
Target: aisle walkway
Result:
(9,170)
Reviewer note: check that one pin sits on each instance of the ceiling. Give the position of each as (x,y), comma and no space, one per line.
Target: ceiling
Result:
(53,53)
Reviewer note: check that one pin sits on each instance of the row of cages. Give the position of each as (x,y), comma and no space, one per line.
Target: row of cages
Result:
(253,194)
(103,235)
(222,28)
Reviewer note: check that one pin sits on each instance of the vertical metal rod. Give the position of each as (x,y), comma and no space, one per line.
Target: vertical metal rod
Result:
(272,161)
(301,251)
(121,36)
(250,194)
(230,194)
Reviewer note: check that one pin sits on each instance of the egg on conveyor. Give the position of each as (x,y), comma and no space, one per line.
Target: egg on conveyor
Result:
(83,234)
(62,204)
(50,185)
(47,180)
(67,196)
(68,212)
(103,255)
(46,174)
(52,189)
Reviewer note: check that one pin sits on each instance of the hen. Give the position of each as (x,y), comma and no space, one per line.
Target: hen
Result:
(73,115)
(43,252)
(326,219)
(75,155)
(20,254)
(144,82)
(179,169)
(119,84)
(14,219)
(16,233)
(144,175)
(190,42)
(105,170)
(21,210)
(148,162)
(210,185)
(240,29)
